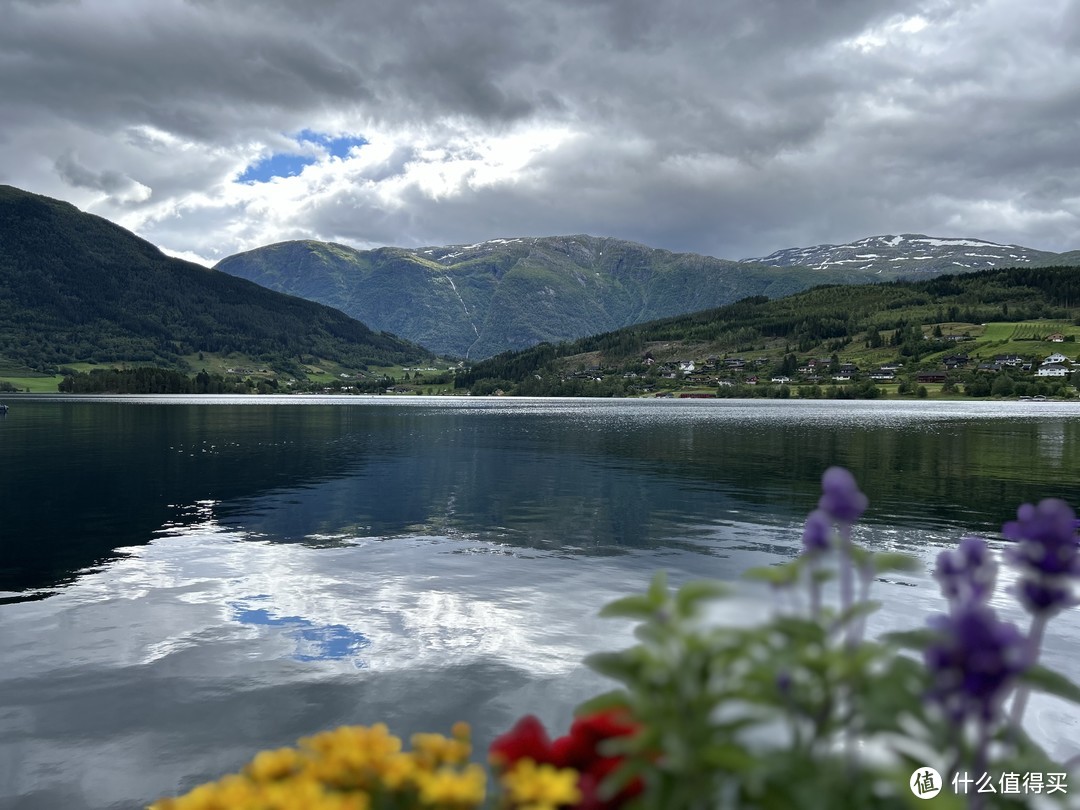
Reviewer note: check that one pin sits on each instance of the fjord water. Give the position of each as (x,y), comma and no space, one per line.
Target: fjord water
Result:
(186,581)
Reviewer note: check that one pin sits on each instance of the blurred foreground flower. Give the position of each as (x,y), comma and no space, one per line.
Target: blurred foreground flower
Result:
(583,752)
(349,768)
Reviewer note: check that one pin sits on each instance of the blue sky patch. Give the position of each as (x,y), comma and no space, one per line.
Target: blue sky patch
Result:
(337,147)
(275,166)
(314,642)
(288,164)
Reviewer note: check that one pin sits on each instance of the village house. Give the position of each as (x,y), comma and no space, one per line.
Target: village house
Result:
(1057,337)
(1013,360)
(1052,370)
(1057,358)
(954,361)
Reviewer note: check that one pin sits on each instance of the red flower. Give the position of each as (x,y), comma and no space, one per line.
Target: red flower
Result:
(580,750)
(527,739)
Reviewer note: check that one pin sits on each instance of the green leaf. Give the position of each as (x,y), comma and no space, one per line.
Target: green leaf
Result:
(823,575)
(620,778)
(858,610)
(658,589)
(728,757)
(778,575)
(1052,683)
(615,665)
(806,631)
(886,561)
(692,594)
(615,699)
(912,639)
(639,606)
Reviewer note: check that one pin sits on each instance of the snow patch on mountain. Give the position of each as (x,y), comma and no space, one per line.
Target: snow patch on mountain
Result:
(905,255)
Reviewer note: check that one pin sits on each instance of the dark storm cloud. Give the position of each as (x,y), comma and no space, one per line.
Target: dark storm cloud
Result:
(733,127)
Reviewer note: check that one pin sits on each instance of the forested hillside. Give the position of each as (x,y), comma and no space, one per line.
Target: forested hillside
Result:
(916,322)
(77,288)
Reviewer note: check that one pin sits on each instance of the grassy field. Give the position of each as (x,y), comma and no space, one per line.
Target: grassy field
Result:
(26,379)
(38,384)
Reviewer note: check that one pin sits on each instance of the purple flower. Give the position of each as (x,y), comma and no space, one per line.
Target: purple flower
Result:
(1046,553)
(966,574)
(841,499)
(1047,538)
(816,534)
(975,660)
(1040,597)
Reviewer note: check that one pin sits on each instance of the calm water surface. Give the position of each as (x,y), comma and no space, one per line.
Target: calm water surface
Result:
(184,581)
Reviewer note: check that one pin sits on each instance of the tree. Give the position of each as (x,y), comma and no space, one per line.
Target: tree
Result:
(1003,386)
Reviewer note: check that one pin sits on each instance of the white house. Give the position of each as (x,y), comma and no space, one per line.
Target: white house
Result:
(1056,357)
(1052,370)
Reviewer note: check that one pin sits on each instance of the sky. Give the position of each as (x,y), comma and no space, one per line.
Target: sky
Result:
(726,127)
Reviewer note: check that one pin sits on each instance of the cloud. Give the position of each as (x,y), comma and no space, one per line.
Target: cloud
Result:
(120,188)
(730,127)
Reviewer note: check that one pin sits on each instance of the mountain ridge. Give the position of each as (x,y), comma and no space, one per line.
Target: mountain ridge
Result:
(477,300)
(481,299)
(942,255)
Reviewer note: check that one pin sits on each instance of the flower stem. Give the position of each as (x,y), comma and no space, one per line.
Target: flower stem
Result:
(1035,640)
(847,578)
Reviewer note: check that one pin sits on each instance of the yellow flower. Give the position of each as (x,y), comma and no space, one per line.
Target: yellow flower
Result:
(440,750)
(461,731)
(369,744)
(270,765)
(540,787)
(344,769)
(400,771)
(454,788)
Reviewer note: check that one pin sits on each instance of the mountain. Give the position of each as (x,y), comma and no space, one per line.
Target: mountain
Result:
(478,300)
(910,255)
(77,288)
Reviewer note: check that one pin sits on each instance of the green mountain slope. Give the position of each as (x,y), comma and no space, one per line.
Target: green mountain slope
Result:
(75,287)
(478,300)
(866,324)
